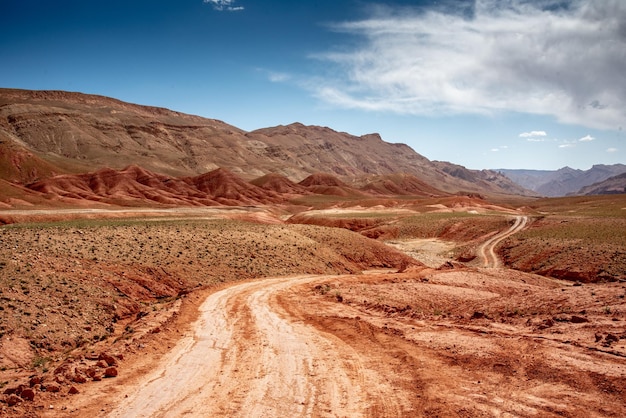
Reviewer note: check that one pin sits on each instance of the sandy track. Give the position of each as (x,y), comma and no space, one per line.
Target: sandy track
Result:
(246,357)
(487,250)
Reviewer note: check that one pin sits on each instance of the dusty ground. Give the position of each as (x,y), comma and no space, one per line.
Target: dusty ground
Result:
(455,340)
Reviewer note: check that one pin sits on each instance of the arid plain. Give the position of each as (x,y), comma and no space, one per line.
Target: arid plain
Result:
(415,322)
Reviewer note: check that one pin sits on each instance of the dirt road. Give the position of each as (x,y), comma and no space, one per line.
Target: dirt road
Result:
(486,250)
(246,357)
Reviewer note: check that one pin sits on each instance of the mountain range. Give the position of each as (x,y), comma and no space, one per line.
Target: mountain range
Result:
(46,137)
(568,181)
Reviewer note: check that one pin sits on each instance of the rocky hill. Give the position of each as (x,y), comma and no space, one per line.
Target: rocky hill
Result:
(43,133)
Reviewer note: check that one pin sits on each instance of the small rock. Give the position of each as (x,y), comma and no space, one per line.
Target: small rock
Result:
(79,378)
(546,324)
(35,381)
(110,372)
(611,338)
(478,315)
(62,369)
(28,394)
(73,390)
(102,364)
(10,391)
(578,319)
(598,337)
(110,360)
(53,388)
(13,400)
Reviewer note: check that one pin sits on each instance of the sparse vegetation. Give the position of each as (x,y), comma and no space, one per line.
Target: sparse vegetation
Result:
(74,283)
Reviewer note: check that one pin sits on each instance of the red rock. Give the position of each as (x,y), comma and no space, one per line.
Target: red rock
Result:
(110,372)
(13,400)
(10,391)
(35,381)
(102,364)
(62,369)
(477,315)
(578,319)
(73,390)
(79,378)
(28,394)
(110,360)
(53,388)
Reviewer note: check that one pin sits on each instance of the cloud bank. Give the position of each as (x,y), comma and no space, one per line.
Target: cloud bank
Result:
(564,58)
(221,5)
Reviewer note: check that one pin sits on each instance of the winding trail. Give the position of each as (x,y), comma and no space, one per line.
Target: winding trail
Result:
(487,250)
(247,358)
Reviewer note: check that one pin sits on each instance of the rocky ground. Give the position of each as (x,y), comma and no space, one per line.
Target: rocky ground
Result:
(73,291)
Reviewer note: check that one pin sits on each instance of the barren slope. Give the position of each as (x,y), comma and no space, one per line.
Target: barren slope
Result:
(76,133)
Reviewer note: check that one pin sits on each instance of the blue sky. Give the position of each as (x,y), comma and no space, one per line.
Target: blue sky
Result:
(537,84)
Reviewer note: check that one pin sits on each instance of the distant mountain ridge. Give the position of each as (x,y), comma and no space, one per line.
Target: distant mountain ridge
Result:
(612,185)
(44,133)
(562,182)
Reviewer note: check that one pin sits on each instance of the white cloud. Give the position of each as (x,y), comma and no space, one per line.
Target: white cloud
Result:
(532,134)
(611,150)
(495,149)
(567,145)
(563,58)
(276,77)
(587,138)
(227,5)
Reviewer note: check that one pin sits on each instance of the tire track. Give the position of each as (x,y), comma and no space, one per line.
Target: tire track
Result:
(487,250)
(248,358)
